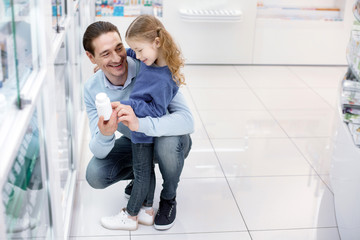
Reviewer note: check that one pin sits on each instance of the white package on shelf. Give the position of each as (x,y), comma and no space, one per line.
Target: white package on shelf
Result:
(350,97)
(353,51)
(355,132)
(349,85)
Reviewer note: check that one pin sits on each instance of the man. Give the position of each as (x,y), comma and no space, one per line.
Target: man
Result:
(112,159)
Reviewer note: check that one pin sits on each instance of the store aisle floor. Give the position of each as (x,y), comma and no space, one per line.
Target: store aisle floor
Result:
(259,166)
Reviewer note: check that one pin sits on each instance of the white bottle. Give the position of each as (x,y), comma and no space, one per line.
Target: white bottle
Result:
(103,105)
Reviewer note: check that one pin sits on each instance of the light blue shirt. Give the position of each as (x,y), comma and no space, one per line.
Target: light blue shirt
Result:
(178,120)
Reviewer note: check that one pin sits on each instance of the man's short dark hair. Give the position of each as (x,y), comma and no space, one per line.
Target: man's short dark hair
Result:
(94,30)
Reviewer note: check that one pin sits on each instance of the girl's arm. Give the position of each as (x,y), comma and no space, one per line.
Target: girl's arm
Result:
(179,121)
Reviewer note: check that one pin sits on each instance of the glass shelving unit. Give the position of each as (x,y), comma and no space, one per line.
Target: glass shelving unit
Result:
(41,113)
(18,51)
(24,193)
(64,115)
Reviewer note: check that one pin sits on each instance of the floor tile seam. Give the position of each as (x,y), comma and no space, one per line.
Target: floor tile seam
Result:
(266,138)
(292,229)
(102,235)
(265,107)
(313,90)
(297,76)
(275,176)
(229,187)
(185,233)
(309,162)
(208,137)
(217,88)
(231,190)
(260,88)
(306,86)
(243,176)
(317,109)
(271,113)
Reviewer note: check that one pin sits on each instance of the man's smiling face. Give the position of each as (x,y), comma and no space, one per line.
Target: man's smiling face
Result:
(110,56)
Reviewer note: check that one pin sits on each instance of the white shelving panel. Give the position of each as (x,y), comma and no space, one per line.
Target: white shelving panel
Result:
(303,41)
(214,41)
(300,42)
(239,35)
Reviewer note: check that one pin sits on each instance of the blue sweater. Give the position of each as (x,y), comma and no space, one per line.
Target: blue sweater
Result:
(178,114)
(153,91)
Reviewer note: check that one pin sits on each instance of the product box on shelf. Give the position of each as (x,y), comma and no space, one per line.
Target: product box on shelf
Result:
(355,131)
(350,99)
(127,8)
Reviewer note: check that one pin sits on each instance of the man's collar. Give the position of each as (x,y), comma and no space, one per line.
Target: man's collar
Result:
(130,77)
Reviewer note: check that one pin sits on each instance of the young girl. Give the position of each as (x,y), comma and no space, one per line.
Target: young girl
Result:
(156,84)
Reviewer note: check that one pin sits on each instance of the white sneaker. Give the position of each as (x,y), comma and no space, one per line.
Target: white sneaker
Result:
(120,221)
(146,219)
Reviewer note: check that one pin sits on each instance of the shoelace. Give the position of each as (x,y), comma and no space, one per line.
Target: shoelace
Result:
(164,207)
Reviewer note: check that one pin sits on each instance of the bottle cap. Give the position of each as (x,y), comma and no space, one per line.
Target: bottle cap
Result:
(101,97)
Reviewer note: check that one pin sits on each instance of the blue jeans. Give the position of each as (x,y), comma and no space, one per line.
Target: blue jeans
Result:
(169,152)
(143,189)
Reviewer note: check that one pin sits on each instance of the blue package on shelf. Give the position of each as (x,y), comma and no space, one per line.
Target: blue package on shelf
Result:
(118,11)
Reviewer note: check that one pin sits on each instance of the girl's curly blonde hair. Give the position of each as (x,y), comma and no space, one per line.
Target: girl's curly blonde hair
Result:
(147,27)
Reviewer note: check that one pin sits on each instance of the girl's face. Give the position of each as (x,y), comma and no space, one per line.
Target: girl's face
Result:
(147,52)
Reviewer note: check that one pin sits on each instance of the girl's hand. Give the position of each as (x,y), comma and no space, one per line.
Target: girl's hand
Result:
(127,116)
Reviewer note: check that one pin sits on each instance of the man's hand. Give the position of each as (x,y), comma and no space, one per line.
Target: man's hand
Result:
(109,127)
(127,116)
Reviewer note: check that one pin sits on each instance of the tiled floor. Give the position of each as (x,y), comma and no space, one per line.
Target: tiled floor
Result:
(259,166)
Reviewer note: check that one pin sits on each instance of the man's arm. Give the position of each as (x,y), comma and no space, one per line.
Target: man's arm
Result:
(179,121)
(100,144)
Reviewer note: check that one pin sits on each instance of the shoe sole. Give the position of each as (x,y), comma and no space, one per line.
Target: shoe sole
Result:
(164,227)
(119,228)
(146,223)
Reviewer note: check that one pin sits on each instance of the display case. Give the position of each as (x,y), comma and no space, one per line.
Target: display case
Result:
(40,113)
(345,167)
(18,51)
(24,194)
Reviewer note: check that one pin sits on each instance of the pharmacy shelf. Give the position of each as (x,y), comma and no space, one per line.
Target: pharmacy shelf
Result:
(344,176)
(299,14)
(122,23)
(208,15)
(356,10)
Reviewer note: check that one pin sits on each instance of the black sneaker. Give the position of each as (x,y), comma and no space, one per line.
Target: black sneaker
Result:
(166,214)
(128,189)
